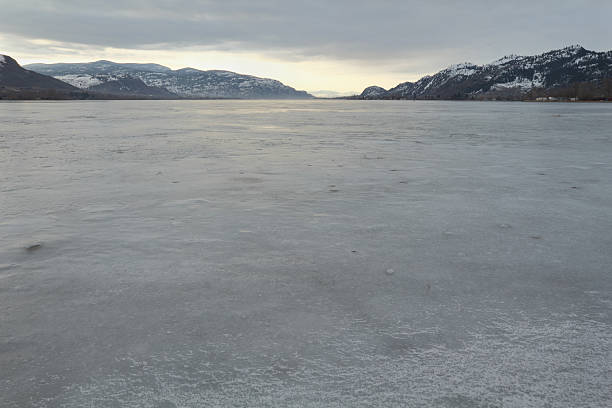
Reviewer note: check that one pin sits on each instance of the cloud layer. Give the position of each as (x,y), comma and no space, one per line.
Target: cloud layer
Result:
(405,37)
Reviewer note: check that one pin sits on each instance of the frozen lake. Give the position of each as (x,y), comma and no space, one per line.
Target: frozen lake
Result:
(305,254)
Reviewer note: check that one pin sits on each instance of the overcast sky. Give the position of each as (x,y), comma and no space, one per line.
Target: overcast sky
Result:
(337,45)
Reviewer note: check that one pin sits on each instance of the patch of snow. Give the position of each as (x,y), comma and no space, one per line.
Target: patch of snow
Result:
(573,48)
(522,83)
(2,59)
(465,69)
(428,85)
(584,59)
(82,81)
(566,52)
(538,80)
(504,60)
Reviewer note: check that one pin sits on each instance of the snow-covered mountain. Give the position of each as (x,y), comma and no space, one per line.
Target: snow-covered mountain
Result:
(119,85)
(373,92)
(511,76)
(186,82)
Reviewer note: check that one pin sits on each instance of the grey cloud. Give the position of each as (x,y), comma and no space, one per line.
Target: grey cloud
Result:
(341,29)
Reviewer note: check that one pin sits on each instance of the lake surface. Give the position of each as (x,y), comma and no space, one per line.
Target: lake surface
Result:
(305,254)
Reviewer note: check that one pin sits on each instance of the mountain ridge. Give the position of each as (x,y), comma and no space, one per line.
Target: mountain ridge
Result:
(569,71)
(185,82)
(16,82)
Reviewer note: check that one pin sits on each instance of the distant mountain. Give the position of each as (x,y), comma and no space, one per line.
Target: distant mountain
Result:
(325,93)
(120,85)
(13,76)
(571,71)
(373,92)
(130,86)
(186,82)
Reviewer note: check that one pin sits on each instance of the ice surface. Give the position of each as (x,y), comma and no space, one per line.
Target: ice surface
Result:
(235,253)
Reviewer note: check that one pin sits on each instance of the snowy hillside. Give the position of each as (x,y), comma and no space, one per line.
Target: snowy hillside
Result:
(117,84)
(373,92)
(510,75)
(186,82)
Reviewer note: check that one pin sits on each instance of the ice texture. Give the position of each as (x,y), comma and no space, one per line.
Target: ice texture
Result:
(237,253)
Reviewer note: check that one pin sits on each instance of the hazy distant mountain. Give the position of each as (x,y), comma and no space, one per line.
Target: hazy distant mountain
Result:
(186,82)
(568,71)
(12,75)
(325,93)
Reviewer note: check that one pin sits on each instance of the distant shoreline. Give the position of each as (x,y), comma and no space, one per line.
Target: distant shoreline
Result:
(116,98)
